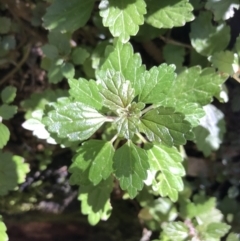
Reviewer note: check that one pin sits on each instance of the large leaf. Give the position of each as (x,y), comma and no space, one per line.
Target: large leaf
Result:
(177,231)
(95,201)
(13,172)
(168,14)
(167,126)
(167,160)
(222,9)
(117,92)
(217,230)
(93,162)
(206,38)
(120,57)
(123,17)
(86,92)
(67,15)
(130,167)
(194,85)
(73,120)
(156,83)
(4,135)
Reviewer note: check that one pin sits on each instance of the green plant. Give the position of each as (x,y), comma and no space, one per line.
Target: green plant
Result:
(127,122)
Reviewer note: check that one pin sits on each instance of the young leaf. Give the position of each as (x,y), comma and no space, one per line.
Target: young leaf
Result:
(122,17)
(93,162)
(50,51)
(95,201)
(13,172)
(225,61)
(167,126)
(156,83)
(176,231)
(130,167)
(127,123)
(4,135)
(162,14)
(222,9)
(67,15)
(3,231)
(8,94)
(167,160)
(121,58)
(79,55)
(73,120)
(68,70)
(86,92)
(116,92)
(7,111)
(55,72)
(193,85)
(217,230)
(206,38)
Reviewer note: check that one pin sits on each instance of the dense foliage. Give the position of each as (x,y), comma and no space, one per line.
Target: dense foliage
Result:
(136,91)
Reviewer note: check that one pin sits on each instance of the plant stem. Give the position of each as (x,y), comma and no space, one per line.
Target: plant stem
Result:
(141,138)
(147,109)
(110,118)
(174,42)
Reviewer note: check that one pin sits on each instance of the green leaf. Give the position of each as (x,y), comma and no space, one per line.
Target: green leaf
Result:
(86,92)
(225,61)
(50,51)
(232,237)
(177,231)
(122,17)
(206,38)
(4,135)
(68,70)
(67,15)
(73,120)
(13,172)
(167,160)
(156,83)
(121,58)
(8,94)
(3,231)
(5,25)
(127,123)
(167,126)
(79,55)
(193,85)
(116,92)
(130,167)
(55,73)
(217,230)
(7,111)
(93,162)
(165,14)
(213,122)
(192,111)
(222,9)
(95,201)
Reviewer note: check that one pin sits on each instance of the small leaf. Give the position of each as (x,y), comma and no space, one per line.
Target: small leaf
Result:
(130,167)
(79,55)
(167,160)
(86,92)
(68,70)
(67,15)
(222,9)
(233,237)
(122,17)
(162,14)
(225,61)
(50,51)
(95,201)
(121,58)
(8,94)
(117,92)
(3,231)
(206,38)
(73,120)
(13,172)
(167,126)
(7,111)
(4,135)
(176,231)
(55,73)
(93,162)
(156,83)
(217,230)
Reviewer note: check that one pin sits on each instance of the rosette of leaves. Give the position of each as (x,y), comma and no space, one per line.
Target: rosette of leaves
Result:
(153,110)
